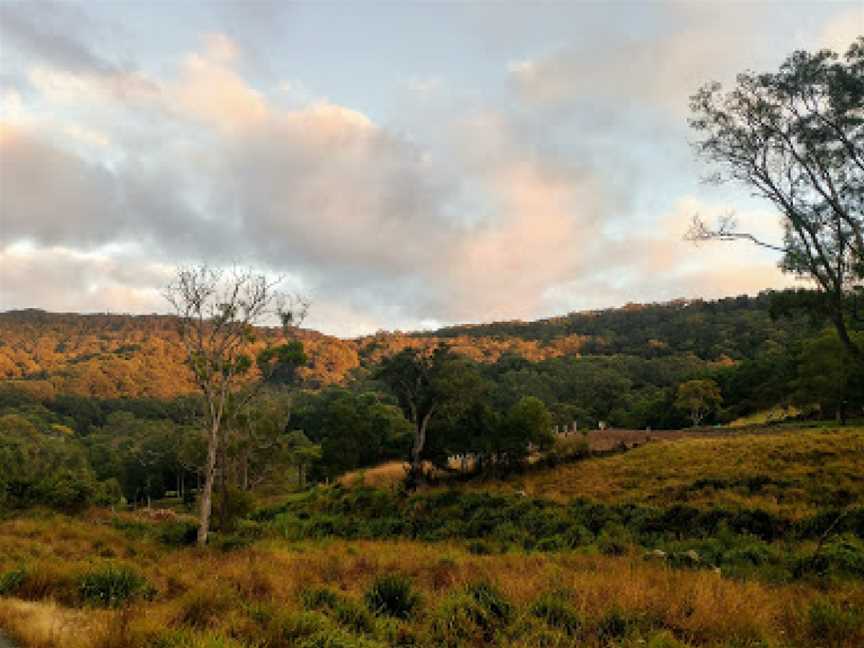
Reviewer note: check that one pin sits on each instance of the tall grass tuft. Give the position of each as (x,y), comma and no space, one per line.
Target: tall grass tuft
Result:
(392,595)
(112,586)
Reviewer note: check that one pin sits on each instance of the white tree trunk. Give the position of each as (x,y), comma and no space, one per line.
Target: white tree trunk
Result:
(207,493)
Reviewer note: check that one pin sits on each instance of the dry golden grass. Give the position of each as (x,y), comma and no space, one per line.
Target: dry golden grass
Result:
(209,591)
(385,475)
(809,467)
(45,624)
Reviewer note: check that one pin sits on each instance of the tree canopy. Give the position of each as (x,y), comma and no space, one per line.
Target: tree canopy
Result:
(796,138)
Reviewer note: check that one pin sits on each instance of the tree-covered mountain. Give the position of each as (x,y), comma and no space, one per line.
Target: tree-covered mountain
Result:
(111,356)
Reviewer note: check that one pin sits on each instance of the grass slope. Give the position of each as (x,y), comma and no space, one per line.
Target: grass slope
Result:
(792,472)
(105,580)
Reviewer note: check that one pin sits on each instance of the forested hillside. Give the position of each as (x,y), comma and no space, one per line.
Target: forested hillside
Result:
(110,356)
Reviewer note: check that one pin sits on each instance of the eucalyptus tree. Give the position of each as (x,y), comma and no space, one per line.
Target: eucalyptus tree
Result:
(795,137)
(217,315)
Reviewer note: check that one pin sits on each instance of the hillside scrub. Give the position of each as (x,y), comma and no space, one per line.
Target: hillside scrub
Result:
(656,561)
(312,593)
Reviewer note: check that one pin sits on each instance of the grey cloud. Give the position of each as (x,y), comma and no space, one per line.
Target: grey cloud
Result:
(54,196)
(48,31)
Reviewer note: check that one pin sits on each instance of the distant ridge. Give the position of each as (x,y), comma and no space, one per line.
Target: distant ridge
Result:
(110,355)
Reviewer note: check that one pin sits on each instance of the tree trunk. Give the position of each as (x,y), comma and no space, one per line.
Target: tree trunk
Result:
(244,469)
(222,470)
(207,493)
(417,448)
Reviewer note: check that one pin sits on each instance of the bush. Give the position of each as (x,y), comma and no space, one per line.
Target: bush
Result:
(836,625)
(178,534)
(473,615)
(11,581)
(353,616)
(479,548)
(319,598)
(392,595)
(68,491)
(460,620)
(112,586)
(556,610)
(614,540)
(487,596)
(237,505)
(613,625)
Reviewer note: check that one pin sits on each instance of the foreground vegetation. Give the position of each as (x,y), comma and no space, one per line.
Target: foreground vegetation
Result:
(645,554)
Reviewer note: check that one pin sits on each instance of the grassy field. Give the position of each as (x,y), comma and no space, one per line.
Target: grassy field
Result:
(476,564)
(791,472)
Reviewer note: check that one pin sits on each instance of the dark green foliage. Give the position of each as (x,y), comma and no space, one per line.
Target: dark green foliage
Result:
(112,586)
(840,555)
(178,534)
(353,430)
(11,580)
(392,595)
(230,507)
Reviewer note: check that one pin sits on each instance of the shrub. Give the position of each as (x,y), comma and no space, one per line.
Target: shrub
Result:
(237,505)
(353,616)
(473,615)
(230,542)
(836,625)
(614,540)
(178,534)
(392,595)
(311,630)
(844,554)
(318,598)
(556,610)
(11,581)
(68,491)
(487,596)
(112,586)
(613,625)
(479,548)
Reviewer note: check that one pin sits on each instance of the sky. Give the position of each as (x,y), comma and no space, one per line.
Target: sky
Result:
(402,165)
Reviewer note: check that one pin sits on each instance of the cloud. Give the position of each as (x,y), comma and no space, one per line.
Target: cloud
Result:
(41,30)
(39,276)
(842,29)
(212,91)
(55,40)
(50,195)
(504,210)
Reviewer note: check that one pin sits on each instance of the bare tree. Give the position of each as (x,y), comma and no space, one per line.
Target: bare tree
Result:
(796,138)
(217,315)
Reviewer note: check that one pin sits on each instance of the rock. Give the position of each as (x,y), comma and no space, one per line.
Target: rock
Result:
(655,554)
(692,556)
